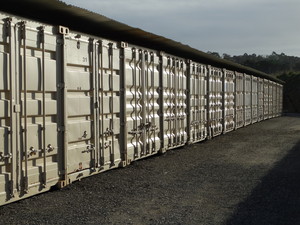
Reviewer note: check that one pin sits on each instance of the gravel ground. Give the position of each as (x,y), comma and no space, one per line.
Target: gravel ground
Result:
(249,176)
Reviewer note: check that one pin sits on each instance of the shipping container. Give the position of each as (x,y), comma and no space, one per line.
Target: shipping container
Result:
(270,97)
(215,101)
(248,99)
(254,99)
(173,83)
(228,101)
(29,112)
(141,85)
(266,99)
(260,99)
(239,100)
(196,102)
(74,104)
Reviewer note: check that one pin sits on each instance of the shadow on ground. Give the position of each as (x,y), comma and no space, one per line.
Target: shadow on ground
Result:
(276,200)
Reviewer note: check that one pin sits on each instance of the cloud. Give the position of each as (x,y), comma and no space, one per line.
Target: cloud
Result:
(231,26)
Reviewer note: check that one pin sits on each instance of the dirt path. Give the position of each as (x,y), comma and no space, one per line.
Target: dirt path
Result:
(249,176)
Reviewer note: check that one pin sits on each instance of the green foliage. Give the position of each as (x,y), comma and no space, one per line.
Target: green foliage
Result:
(271,64)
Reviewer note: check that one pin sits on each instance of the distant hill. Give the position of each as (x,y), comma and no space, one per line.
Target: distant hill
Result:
(284,67)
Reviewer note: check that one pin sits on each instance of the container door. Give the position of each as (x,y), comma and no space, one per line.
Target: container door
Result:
(215,105)
(28,109)
(141,84)
(80,102)
(198,92)
(38,86)
(229,101)
(239,101)
(111,154)
(8,158)
(254,100)
(173,74)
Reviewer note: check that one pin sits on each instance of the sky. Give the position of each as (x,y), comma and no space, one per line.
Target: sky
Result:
(233,27)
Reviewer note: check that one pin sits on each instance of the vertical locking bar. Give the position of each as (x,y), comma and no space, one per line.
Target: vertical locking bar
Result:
(135,126)
(224,96)
(123,140)
(24,71)
(235,100)
(251,92)
(208,101)
(101,86)
(197,99)
(161,101)
(111,56)
(188,100)
(94,72)
(170,88)
(143,101)
(42,36)
(244,97)
(148,75)
(182,102)
(64,91)
(12,86)
(153,122)
(176,66)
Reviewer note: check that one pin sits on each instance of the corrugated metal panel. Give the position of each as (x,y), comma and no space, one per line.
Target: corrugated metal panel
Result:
(254,99)
(215,101)
(239,100)
(228,100)
(142,83)
(197,121)
(260,96)
(174,102)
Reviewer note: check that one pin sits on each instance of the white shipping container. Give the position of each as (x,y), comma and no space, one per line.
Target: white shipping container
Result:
(266,99)
(260,96)
(254,99)
(239,100)
(228,100)
(197,86)
(248,99)
(215,101)
(173,86)
(141,91)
